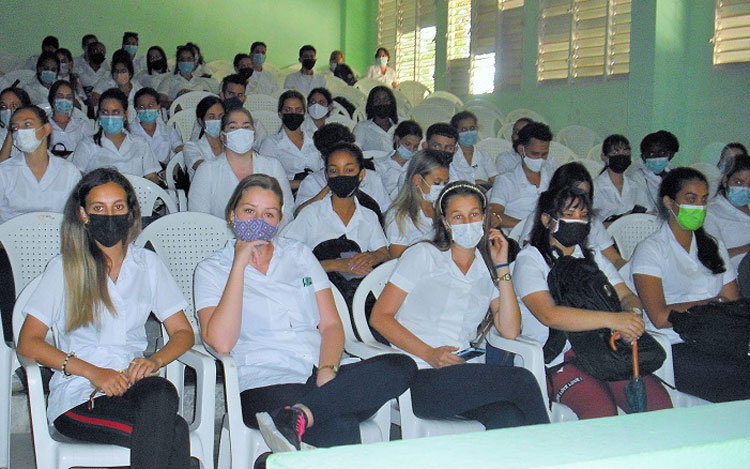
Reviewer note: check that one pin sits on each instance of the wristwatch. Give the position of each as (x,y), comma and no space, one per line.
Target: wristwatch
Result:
(504,278)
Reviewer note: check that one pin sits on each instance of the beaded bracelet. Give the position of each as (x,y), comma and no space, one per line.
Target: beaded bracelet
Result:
(65,363)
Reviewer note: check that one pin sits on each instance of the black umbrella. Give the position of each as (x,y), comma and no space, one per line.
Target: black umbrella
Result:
(635,390)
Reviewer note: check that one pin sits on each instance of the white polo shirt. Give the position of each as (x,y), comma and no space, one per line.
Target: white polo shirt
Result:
(729,224)
(599,238)
(371,185)
(196,150)
(303,83)
(609,201)
(481,167)
(442,306)
(279,342)
(87,75)
(411,233)
(514,192)
(530,276)
(143,285)
(318,222)
(215,181)
(175,83)
(370,136)
(682,275)
(262,82)
(390,172)
(133,157)
(71,136)
(293,159)
(386,78)
(20,192)
(163,143)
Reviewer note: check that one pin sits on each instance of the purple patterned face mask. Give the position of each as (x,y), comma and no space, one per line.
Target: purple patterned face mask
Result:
(253,230)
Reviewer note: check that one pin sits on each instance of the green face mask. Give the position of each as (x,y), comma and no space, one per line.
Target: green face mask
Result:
(691,217)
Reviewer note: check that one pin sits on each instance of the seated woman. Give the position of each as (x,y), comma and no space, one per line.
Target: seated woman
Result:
(156,68)
(67,131)
(657,151)
(66,73)
(164,139)
(375,133)
(410,218)
(96,297)
(215,180)
(10,100)
(728,153)
(433,304)
(208,146)
(121,77)
(345,236)
(406,139)
(38,181)
(381,71)
(47,67)
(561,226)
(112,145)
(617,193)
(469,162)
(681,266)
(249,293)
(185,78)
(319,107)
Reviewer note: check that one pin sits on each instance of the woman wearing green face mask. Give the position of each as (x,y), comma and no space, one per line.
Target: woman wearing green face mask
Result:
(681,266)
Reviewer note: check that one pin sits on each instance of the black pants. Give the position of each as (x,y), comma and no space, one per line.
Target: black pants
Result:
(713,378)
(340,405)
(498,396)
(143,419)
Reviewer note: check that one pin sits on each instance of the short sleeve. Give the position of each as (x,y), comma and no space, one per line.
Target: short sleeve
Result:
(200,189)
(47,303)
(164,86)
(501,191)
(150,163)
(192,154)
(393,233)
(731,273)
(268,148)
(599,238)
(314,269)
(377,237)
(608,268)
(81,156)
(208,284)
(411,265)
(299,227)
(486,163)
(645,259)
(175,139)
(529,273)
(307,190)
(167,297)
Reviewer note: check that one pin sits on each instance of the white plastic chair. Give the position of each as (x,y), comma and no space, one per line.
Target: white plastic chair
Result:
(23,76)
(595,153)
(270,121)
(53,450)
(493,147)
(334,83)
(629,230)
(427,114)
(414,91)
(578,138)
(447,95)
(148,193)
(9,61)
(339,109)
(184,122)
(188,100)
(506,131)
(402,102)
(359,114)
(561,153)
(178,194)
(373,283)
(712,173)
(353,95)
(261,102)
(441,102)
(592,166)
(484,103)
(366,84)
(341,119)
(516,114)
(488,120)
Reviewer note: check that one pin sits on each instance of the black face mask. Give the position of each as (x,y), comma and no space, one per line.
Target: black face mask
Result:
(570,233)
(159,65)
(447,157)
(97,58)
(245,72)
(291,120)
(382,111)
(108,230)
(619,163)
(344,186)
(309,63)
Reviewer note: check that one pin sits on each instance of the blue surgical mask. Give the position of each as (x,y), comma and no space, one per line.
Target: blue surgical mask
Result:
(48,77)
(148,116)
(130,49)
(405,153)
(112,124)
(468,138)
(738,195)
(213,127)
(186,68)
(63,106)
(258,58)
(5,117)
(657,165)
(382,61)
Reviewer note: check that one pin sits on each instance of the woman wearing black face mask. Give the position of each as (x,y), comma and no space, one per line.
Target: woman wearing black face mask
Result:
(156,68)
(617,193)
(97,297)
(373,134)
(561,226)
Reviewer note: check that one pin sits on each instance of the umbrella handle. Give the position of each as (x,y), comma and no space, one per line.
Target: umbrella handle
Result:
(613,338)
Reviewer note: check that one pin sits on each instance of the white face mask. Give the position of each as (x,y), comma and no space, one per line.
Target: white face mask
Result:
(317,111)
(25,140)
(240,141)
(435,191)
(467,235)
(533,164)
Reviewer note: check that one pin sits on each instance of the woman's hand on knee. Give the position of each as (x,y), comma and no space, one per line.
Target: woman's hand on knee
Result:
(440,357)
(141,368)
(109,381)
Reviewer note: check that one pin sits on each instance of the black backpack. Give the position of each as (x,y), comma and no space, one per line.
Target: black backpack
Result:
(578,283)
(719,329)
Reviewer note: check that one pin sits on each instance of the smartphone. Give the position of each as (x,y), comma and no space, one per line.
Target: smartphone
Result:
(469,353)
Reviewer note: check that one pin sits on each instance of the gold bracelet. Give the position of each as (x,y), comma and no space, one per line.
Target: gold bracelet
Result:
(335,368)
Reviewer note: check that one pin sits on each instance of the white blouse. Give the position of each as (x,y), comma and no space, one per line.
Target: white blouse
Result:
(163,143)
(133,157)
(196,150)
(411,234)
(481,167)
(609,201)
(729,224)
(390,172)
(514,192)
(71,136)
(370,136)
(173,84)
(304,83)
(386,78)
(293,159)
(262,82)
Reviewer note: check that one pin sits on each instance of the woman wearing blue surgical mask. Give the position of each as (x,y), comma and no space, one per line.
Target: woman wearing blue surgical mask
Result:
(185,78)
(10,100)
(66,73)
(381,71)
(164,139)
(409,219)
(657,150)
(47,67)
(208,145)
(67,130)
(469,162)
(112,145)
(406,140)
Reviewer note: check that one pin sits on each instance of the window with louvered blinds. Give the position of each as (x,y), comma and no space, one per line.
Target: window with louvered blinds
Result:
(583,38)
(731,31)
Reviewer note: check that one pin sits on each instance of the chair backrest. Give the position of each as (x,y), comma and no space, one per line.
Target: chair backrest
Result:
(188,100)
(341,119)
(343,311)
(373,283)
(447,95)
(184,122)
(177,159)
(629,230)
(439,101)
(30,241)
(218,64)
(353,95)
(427,114)
(22,298)
(339,109)
(493,147)
(366,84)
(578,138)
(516,114)
(402,102)
(485,103)
(261,102)
(561,153)
(269,120)
(506,131)
(592,166)
(148,193)
(414,91)
(488,120)
(712,173)
(359,114)
(22,75)
(182,240)
(595,153)
(334,83)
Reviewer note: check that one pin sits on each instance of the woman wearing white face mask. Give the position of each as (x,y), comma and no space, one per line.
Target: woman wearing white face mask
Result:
(47,67)
(121,78)
(433,303)
(38,181)
(207,146)
(215,180)
(406,140)
(319,106)
(10,100)
(66,73)
(410,218)
(67,131)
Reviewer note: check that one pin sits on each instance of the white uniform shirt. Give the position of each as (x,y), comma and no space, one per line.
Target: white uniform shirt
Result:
(175,83)
(387,78)
(151,81)
(303,83)
(38,93)
(108,82)
(20,192)
(370,136)
(262,82)
(87,75)
(390,172)
(729,224)
(318,222)
(506,161)
(215,181)
(196,150)
(682,275)
(514,192)
(293,159)
(14,152)
(143,285)
(442,306)
(481,167)
(133,157)
(164,142)
(370,185)
(75,131)
(411,234)
(599,238)
(308,126)
(278,342)
(530,276)
(609,201)
(647,183)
